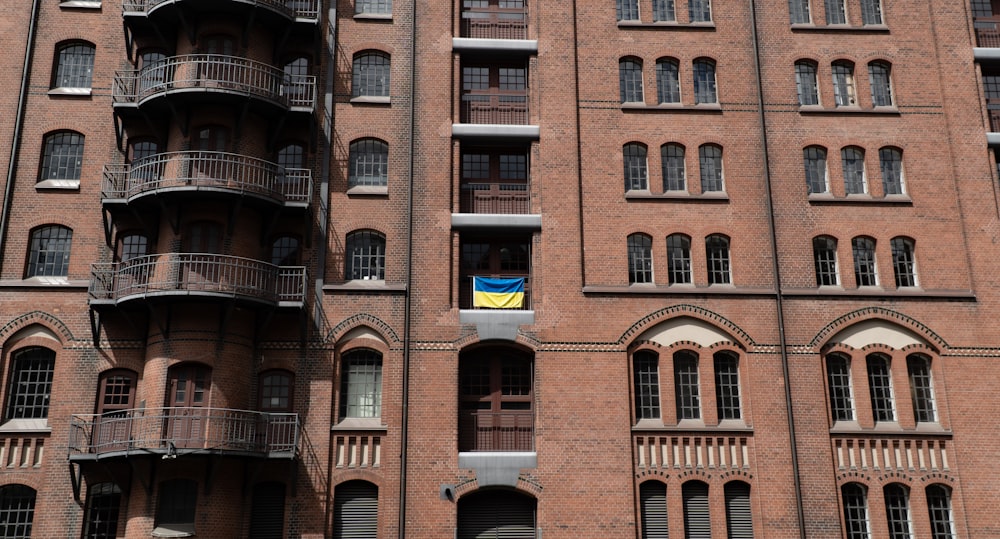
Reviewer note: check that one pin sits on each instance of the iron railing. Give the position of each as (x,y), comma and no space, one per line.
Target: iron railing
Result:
(502,198)
(465,293)
(495,108)
(218,72)
(987,34)
(302,9)
(184,170)
(495,22)
(179,430)
(993,108)
(510,430)
(184,273)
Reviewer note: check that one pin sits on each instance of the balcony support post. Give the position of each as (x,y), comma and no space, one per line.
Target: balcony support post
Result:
(76,478)
(95,328)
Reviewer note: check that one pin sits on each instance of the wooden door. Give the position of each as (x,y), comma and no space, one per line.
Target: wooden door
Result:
(187,397)
(113,427)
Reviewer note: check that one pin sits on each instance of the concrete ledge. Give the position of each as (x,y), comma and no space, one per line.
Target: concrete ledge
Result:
(495,220)
(495,130)
(496,324)
(527,46)
(495,468)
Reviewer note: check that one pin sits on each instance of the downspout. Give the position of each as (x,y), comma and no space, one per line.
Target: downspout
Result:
(776,272)
(407,297)
(15,146)
(326,147)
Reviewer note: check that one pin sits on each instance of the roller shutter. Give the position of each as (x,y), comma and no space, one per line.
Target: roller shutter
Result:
(697,524)
(653,500)
(355,511)
(496,515)
(267,515)
(739,523)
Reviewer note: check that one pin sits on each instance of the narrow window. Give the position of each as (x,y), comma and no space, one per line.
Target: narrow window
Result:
(717,255)
(805,82)
(835,12)
(710,161)
(373,7)
(697,521)
(852,161)
(368,163)
(825,259)
(653,507)
(285,251)
(880,388)
(939,510)
(871,11)
(881,83)
(30,383)
(17,510)
(175,508)
(903,263)
(365,256)
(674,175)
(686,388)
(798,11)
(62,156)
(921,389)
(679,258)
(275,391)
(739,521)
(48,254)
(704,82)
(668,85)
(814,158)
(663,10)
(371,75)
(645,370)
(982,8)
(361,384)
(855,511)
(865,273)
(355,510)
(636,171)
(627,10)
(640,259)
(843,83)
(838,376)
(103,503)
(74,66)
(727,386)
(897,511)
(891,164)
(700,10)
(630,80)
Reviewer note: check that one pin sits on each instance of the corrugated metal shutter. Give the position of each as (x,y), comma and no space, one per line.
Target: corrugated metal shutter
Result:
(355,510)
(653,506)
(267,514)
(697,523)
(496,515)
(739,522)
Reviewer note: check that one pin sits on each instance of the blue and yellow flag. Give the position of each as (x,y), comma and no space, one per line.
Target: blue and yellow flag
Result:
(498,293)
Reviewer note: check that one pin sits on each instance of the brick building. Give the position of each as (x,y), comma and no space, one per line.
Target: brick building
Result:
(239,242)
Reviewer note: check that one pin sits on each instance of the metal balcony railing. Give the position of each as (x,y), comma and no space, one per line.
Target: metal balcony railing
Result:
(215,72)
(987,34)
(465,293)
(993,108)
(495,108)
(502,198)
(302,9)
(509,430)
(179,430)
(184,170)
(494,22)
(197,273)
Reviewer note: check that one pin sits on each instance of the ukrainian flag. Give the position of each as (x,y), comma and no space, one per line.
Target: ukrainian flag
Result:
(498,293)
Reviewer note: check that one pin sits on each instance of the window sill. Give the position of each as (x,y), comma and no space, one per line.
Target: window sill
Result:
(173,530)
(893,428)
(364,285)
(81,4)
(70,92)
(360,423)
(860,199)
(45,282)
(688,425)
(678,289)
(810,27)
(849,109)
(61,185)
(672,107)
(368,190)
(711,196)
(373,16)
(878,292)
(372,100)
(26,426)
(709,25)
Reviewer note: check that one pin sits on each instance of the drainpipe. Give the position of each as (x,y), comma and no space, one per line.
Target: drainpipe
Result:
(15,146)
(326,147)
(776,272)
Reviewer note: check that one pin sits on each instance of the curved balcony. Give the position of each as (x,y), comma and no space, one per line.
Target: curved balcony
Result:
(202,76)
(202,275)
(287,10)
(178,431)
(177,173)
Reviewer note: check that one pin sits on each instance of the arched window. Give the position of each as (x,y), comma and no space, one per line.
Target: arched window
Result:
(880,388)
(687,389)
(939,511)
(371,74)
(297,85)
(855,498)
(865,272)
(904,264)
(843,80)
(189,387)
(176,505)
(805,76)
(653,510)
(154,71)
(368,163)
(62,157)
(364,256)
(891,164)
(679,258)
(668,85)
(285,251)
(646,379)
(710,161)
(636,172)
(132,245)
(74,65)
(630,80)
(881,83)
(48,252)
(897,511)
(697,521)
(918,369)
(496,514)
(496,400)
(704,80)
(115,400)
(640,259)
(30,383)
(838,376)
(727,386)
(17,505)
(361,384)
(355,510)
(103,504)
(825,260)
(814,158)
(674,174)
(717,255)
(853,163)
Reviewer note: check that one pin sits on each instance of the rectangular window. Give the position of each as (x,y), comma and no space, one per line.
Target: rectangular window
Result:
(871,11)
(704,82)
(865,273)
(679,259)
(373,7)
(727,386)
(921,390)
(700,10)
(814,159)
(843,84)
(710,161)
(852,161)
(686,387)
(903,265)
(663,10)
(668,88)
(805,83)
(717,255)
(627,10)
(880,389)
(835,12)
(825,259)
(798,11)
(647,385)
(640,259)
(878,78)
(630,81)
(674,176)
(361,385)
(891,164)
(838,376)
